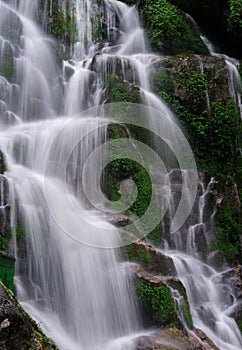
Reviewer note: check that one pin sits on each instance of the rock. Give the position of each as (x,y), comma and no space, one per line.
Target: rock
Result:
(207,342)
(163,299)
(118,220)
(174,339)
(152,260)
(155,299)
(233,277)
(17,329)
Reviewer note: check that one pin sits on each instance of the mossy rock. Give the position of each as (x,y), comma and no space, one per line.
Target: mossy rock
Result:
(120,91)
(184,307)
(157,302)
(227,220)
(201,100)
(7,63)
(123,168)
(17,329)
(152,260)
(167,30)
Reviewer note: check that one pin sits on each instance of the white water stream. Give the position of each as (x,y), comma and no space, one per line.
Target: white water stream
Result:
(81,295)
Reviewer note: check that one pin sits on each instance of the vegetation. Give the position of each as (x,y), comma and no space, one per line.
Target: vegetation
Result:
(235,15)
(215,124)
(62,25)
(7,64)
(158,299)
(227,230)
(22,332)
(120,91)
(140,255)
(168,31)
(121,169)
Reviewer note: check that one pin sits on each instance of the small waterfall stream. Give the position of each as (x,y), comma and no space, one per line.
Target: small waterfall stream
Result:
(210,296)
(82,295)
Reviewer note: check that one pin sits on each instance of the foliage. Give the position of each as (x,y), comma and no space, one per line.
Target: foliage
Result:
(7,64)
(167,30)
(216,126)
(20,230)
(121,169)
(162,81)
(227,231)
(62,25)
(120,91)
(58,24)
(3,244)
(196,88)
(157,296)
(138,254)
(239,323)
(185,308)
(124,168)
(235,15)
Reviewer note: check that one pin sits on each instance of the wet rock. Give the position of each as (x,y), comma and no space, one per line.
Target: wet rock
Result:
(215,69)
(152,260)
(118,220)
(17,329)
(175,339)
(155,299)
(208,344)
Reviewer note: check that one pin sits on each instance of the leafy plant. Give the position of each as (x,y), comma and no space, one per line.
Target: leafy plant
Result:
(167,30)
(235,15)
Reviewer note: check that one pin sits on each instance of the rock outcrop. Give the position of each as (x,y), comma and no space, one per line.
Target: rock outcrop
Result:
(17,330)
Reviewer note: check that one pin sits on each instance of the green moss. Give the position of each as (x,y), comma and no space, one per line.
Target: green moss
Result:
(7,64)
(235,18)
(185,308)
(62,25)
(3,244)
(57,24)
(139,255)
(239,323)
(33,332)
(157,297)
(162,81)
(124,168)
(167,30)
(20,230)
(227,231)
(120,91)
(219,127)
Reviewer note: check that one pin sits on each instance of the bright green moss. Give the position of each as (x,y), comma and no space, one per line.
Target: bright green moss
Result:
(157,296)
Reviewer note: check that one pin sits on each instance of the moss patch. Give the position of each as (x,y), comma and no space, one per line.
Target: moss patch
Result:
(124,168)
(158,300)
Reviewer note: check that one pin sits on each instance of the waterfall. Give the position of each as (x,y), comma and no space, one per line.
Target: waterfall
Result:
(82,295)
(210,295)
(234,80)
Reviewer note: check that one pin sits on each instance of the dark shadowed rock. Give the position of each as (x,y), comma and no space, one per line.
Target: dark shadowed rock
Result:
(17,330)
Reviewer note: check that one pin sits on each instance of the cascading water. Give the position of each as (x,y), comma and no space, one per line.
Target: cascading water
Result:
(80,294)
(234,79)
(210,296)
